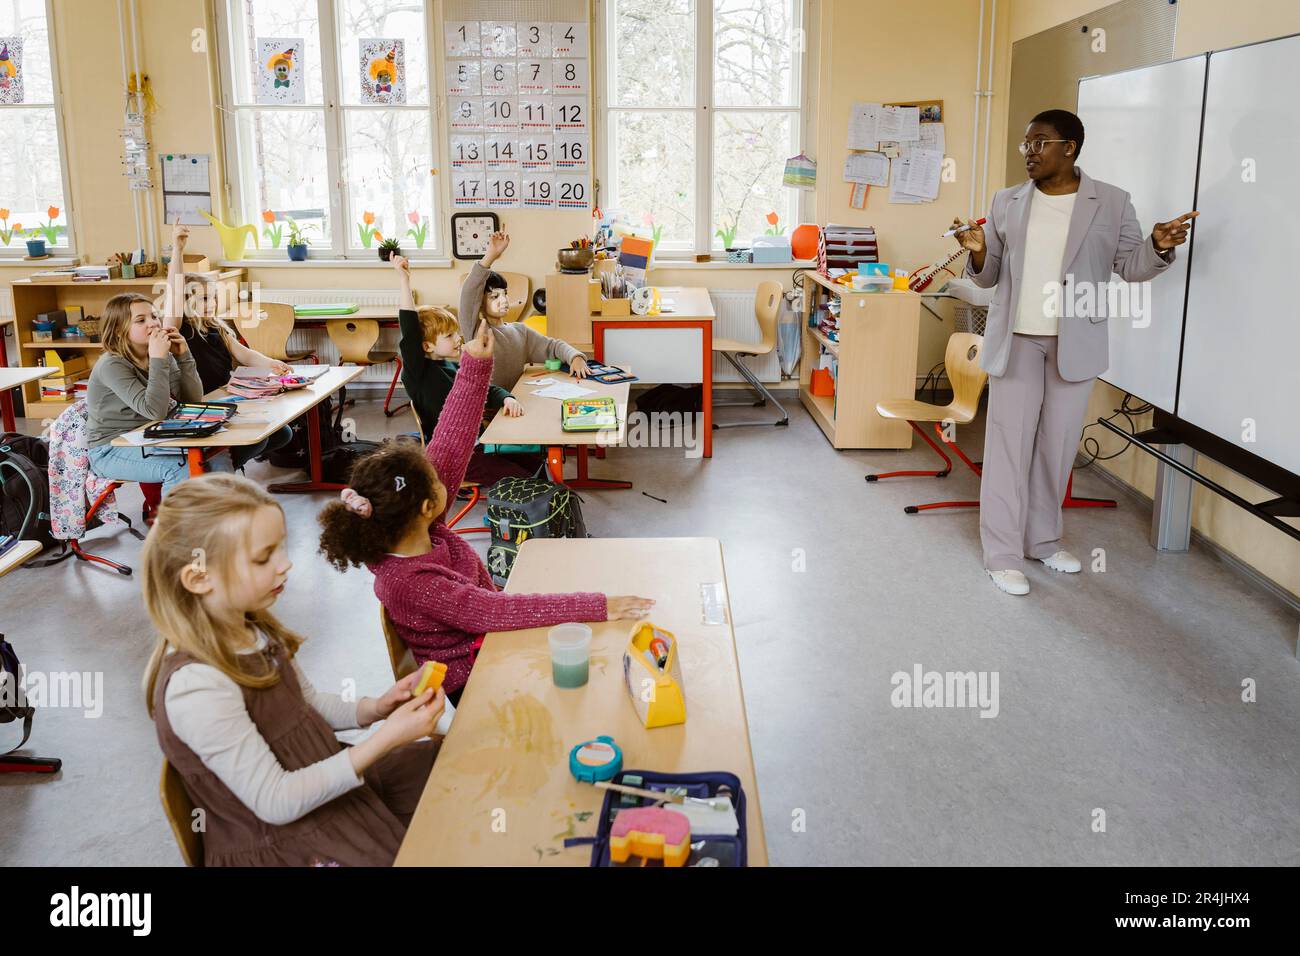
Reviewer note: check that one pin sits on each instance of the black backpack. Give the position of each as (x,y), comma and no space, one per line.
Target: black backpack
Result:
(296,453)
(523,508)
(13,702)
(685,399)
(25,489)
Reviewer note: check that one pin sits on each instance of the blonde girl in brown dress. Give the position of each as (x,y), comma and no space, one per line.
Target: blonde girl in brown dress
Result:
(236,716)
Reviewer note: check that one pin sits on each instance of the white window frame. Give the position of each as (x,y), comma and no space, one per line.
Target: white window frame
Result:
(704,110)
(13,251)
(335,113)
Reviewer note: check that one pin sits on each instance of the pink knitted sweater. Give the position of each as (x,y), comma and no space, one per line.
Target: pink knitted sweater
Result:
(442,602)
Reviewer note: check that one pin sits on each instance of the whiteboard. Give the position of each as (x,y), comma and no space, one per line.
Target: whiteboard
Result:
(1243,322)
(1141,129)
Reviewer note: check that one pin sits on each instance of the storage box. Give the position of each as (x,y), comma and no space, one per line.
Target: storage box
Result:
(194,262)
(822,383)
(771,249)
(615,307)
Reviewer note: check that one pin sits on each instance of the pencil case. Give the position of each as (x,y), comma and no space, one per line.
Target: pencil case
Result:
(706,849)
(191,421)
(653,676)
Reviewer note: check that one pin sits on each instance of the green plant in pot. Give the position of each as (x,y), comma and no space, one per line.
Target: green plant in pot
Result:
(389,248)
(297,244)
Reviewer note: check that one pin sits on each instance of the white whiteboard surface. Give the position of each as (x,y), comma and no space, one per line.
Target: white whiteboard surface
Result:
(1243,320)
(1141,129)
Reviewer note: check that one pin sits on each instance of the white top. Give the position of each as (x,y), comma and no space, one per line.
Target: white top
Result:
(206,710)
(1040,282)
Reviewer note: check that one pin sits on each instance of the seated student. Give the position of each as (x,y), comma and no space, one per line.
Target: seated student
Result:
(430,580)
(216,350)
(430,340)
(238,719)
(517,345)
(143,368)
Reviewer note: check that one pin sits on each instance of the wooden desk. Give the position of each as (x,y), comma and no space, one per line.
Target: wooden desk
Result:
(540,425)
(11,378)
(279,411)
(673,347)
(16,555)
(508,749)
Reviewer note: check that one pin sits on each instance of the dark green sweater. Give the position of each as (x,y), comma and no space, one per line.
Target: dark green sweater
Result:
(428,380)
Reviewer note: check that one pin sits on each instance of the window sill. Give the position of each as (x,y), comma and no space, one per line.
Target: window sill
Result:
(688,265)
(14,263)
(310,263)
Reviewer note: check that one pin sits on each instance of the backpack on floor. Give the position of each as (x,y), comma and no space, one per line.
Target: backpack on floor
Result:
(337,463)
(523,508)
(684,399)
(25,489)
(13,702)
(296,452)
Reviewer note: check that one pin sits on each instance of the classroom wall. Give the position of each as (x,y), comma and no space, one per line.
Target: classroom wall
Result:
(1202,25)
(855,52)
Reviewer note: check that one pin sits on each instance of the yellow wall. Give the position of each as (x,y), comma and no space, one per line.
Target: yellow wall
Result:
(1202,25)
(856,47)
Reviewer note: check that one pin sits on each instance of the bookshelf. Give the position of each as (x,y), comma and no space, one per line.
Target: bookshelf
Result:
(876,352)
(34,295)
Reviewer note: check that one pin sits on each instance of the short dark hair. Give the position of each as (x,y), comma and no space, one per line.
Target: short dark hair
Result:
(1067,126)
(495,280)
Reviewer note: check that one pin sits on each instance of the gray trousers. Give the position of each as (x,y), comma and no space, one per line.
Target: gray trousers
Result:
(1035,419)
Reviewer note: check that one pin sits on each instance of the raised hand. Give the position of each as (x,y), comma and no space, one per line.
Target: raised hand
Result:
(180,235)
(402,265)
(1166,235)
(496,246)
(480,346)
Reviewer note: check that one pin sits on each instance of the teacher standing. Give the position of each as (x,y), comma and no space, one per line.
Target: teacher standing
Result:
(1050,247)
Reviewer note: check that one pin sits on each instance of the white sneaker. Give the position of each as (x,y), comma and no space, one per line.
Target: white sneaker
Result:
(1013,582)
(1063,561)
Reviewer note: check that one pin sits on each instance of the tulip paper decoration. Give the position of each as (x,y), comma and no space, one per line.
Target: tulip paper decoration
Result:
(366,227)
(50,230)
(6,231)
(773,229)
(419,230)
(273,230)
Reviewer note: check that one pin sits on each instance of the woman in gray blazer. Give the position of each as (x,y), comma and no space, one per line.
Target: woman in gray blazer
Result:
(1050,246)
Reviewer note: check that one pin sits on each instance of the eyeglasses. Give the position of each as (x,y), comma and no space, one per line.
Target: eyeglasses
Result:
(1035,147)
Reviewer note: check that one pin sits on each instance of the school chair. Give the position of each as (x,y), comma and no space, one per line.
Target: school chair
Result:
(269,333)
(354,339)
(767,303)
(961,363)
(473,489)
(399,655)
(179,809)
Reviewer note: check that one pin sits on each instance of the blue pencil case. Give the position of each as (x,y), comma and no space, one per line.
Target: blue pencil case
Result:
(707,849)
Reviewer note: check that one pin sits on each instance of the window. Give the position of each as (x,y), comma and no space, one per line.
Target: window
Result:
(349,171)
(701,105)
(33,203)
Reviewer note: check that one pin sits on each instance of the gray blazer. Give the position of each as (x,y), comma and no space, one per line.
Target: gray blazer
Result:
(1104,238)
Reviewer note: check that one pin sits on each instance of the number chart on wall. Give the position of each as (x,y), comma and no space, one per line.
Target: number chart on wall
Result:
(518,114)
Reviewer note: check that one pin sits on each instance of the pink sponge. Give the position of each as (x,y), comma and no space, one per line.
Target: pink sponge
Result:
(655,833)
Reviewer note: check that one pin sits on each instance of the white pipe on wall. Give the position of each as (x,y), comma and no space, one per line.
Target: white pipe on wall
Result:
(988,99)
(151,225)
(975,128)
(121,42)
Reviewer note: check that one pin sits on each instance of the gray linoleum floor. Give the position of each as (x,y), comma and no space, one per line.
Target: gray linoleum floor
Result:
(1118,691)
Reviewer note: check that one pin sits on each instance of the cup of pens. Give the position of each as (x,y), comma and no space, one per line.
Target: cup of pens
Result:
(570,654)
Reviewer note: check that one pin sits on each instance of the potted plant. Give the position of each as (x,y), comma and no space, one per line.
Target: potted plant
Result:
(35,247)
(388,248)
(297,244)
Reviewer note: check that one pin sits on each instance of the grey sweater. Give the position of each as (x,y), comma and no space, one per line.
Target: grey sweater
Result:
(516,344)
(122,396)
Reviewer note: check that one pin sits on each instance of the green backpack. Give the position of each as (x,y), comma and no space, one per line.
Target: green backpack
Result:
(523,508)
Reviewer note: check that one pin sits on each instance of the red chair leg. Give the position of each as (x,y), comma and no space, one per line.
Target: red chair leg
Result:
(84,555)
(474,498)
(947,462)
(397,374)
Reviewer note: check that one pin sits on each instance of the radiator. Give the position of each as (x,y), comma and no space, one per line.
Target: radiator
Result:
(318,340)
(736,320)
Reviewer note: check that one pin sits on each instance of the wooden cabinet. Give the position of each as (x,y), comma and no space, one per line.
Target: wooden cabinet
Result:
(876,355)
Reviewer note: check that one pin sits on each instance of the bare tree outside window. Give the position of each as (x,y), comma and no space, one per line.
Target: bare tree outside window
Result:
(752,109)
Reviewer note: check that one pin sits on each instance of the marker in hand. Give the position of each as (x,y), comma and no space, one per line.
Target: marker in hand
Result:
(962,228)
